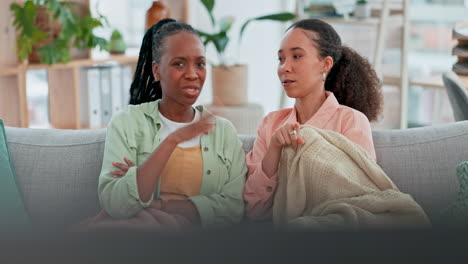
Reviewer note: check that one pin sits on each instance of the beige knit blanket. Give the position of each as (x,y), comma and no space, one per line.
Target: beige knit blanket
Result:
(332,183)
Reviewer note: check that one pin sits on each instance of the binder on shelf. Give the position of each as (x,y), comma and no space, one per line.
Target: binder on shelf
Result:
(90,98)
(106,95)
(116,89)
(127,78)
(104,91)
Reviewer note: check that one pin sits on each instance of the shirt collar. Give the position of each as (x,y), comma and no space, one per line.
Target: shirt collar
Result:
(151,110)
(325,112)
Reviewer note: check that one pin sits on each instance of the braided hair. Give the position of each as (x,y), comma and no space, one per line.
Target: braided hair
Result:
(352,79)
(144,88)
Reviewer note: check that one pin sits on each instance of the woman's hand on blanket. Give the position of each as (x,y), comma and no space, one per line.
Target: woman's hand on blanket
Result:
(123,168)
(287,135)
(204,125)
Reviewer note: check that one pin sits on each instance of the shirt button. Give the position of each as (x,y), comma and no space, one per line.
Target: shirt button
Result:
(206,149)
(208,172)
(269,189)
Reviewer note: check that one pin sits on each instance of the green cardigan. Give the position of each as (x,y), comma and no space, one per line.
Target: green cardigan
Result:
(134,133)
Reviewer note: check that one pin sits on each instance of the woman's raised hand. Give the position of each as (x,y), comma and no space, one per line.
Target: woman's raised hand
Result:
(188,132)
(287,135)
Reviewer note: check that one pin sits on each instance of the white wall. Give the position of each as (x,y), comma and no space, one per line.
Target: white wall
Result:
(259,46)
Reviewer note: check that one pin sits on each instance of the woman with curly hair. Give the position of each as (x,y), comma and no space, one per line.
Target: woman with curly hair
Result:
(334,89)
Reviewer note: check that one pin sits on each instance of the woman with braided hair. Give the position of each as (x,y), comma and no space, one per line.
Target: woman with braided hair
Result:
(168,164)
(334,89)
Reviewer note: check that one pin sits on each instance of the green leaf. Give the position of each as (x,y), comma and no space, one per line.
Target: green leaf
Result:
(25,17)
(220,41)
(225,23)
(209,5)
(57,51)
(282,17)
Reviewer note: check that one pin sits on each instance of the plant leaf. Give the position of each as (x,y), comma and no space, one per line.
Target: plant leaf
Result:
(24,17)
(57,51)
(225,23)
(209,5)
(282,17)
(220,41)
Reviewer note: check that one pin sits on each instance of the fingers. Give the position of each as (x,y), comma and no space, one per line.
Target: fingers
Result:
(117,174)
(120,166)
(123,168)
(290,133)
(203,125)
(286,136)
(300,140)
(129,163)
(293,138)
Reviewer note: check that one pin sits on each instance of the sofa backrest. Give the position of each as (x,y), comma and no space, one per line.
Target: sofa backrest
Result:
(58,170)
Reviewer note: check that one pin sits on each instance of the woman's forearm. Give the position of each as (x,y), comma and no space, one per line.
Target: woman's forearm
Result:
(148,173)
(271,160)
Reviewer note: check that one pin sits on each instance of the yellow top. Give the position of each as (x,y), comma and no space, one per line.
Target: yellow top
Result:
(182,177)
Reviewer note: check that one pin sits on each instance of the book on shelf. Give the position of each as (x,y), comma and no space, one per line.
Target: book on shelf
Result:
(461,67)
(460,51)
(104,91)
(460,31)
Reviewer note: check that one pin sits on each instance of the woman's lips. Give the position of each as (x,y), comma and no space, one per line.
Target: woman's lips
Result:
(288,83)
(191,91)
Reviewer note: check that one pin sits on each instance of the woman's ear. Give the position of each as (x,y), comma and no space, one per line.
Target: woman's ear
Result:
(327,64)
(155,68)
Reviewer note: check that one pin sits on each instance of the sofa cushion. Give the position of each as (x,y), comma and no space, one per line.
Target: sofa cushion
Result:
(58,172)
(421,162)
(456,214)
(13,214)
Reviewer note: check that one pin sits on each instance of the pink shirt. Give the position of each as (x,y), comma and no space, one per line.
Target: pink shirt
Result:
(259,188)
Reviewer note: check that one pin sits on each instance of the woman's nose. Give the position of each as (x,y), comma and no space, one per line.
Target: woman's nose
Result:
(191,73)
(285,66)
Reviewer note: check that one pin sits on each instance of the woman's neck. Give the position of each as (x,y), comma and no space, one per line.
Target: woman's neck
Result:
(176,112)
(307,106)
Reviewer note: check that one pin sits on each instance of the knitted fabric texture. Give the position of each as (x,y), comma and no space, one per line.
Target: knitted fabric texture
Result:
(456,215)
(332,183)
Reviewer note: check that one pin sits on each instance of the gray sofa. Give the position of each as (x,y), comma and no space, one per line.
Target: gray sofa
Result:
(57,170)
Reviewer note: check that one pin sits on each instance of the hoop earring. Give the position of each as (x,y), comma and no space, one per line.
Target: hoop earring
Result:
(324,76)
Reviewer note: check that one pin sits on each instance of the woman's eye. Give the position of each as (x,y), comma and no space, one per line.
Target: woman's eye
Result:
(297,56)
(280,59)
(178,64)
(201,64)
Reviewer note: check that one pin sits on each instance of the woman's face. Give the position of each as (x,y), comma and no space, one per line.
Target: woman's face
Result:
(300,67)
(181,69)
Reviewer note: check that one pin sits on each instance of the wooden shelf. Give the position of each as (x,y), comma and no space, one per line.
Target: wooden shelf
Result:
(121,59)
(371,21)
(64,80)
(8,71)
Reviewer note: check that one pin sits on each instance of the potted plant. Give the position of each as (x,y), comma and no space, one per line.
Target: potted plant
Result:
(229,82)
(50,27)
(362,9)
(117,43)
